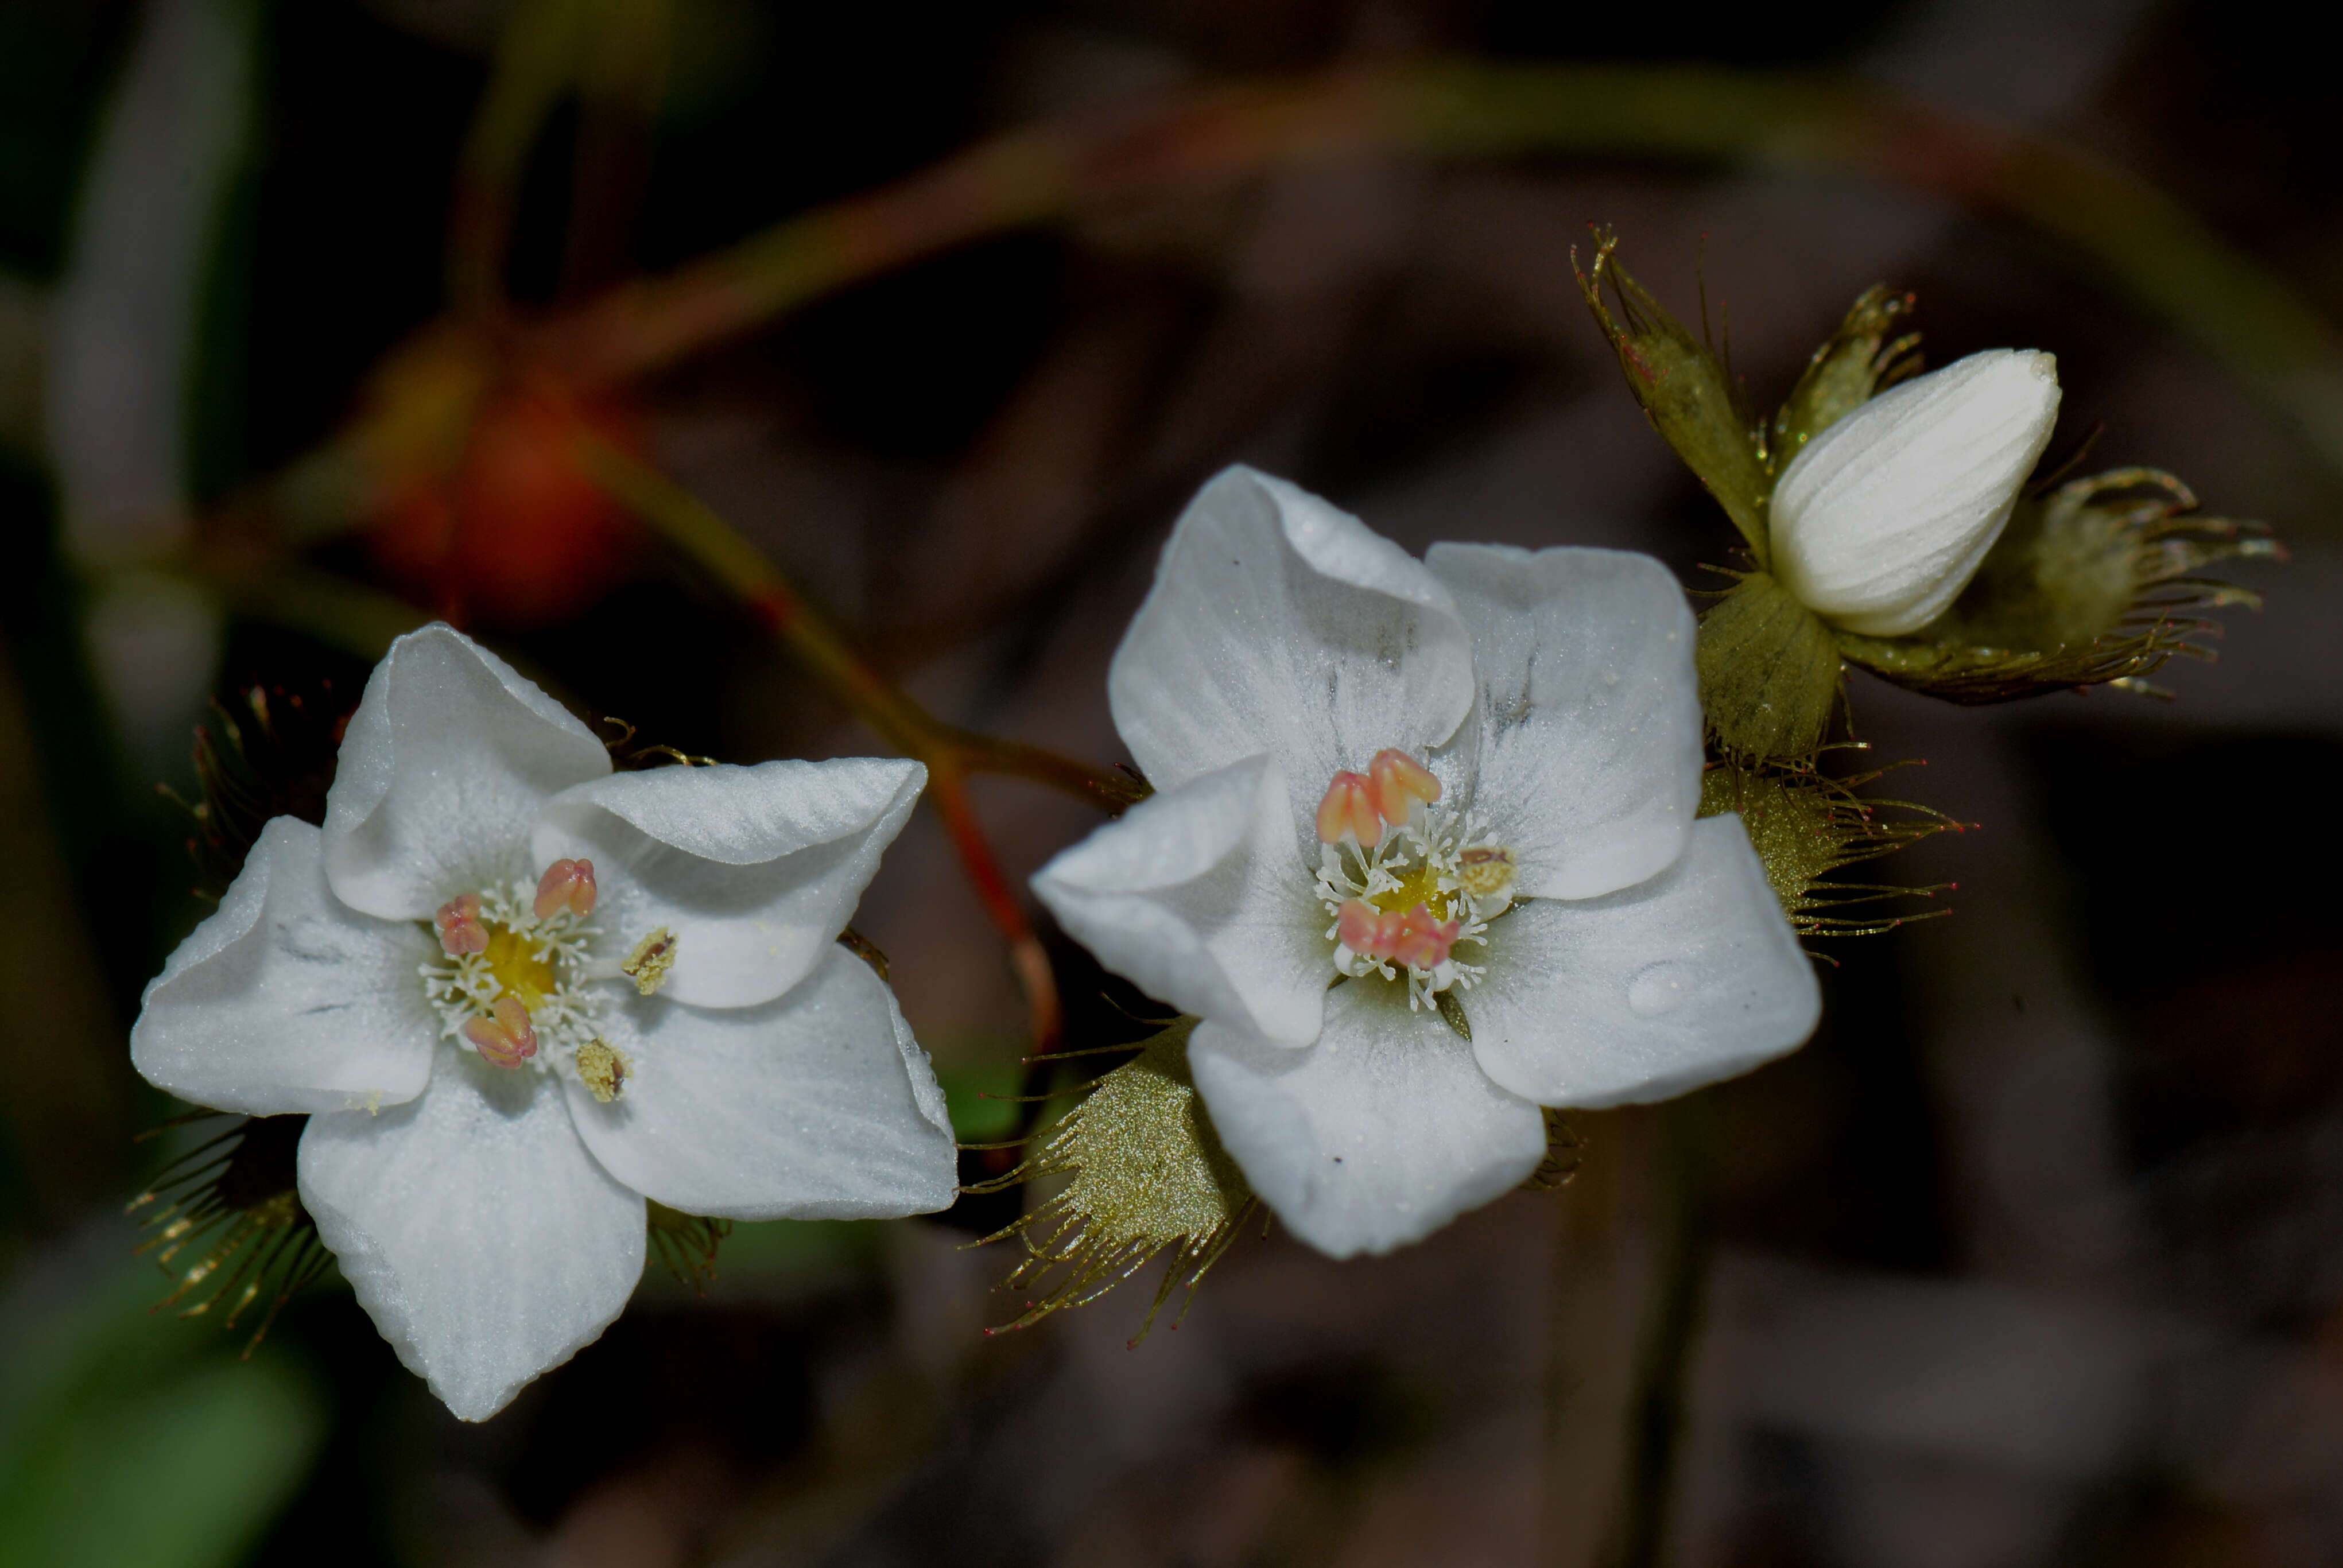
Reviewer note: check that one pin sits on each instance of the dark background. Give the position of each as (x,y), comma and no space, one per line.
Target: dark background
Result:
(2034,1256)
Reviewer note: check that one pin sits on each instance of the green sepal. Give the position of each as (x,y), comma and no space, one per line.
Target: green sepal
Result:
(1769,671)
(2094,583)
(1806,826)
(1452,1013)
(232,1204)
(685,1244)
(1862,358)
(1686,392)
(1149,1176)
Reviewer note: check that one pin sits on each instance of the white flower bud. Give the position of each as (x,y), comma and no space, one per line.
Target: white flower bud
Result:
(1882,520)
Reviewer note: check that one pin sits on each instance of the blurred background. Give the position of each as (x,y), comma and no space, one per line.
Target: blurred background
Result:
(2034,1256)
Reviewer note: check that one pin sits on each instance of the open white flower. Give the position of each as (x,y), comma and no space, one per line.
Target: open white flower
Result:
(1388,786)
(1883,517)
(520,993)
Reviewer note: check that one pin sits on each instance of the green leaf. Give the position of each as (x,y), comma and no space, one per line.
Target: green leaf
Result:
(1858,363)
(2094,583)
(130,1442)
(1769,672)
(1685,393)
(186,1472)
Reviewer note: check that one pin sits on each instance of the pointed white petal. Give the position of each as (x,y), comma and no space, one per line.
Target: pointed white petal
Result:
(820,1106)
(1885,516)
(1587,754)
(755,870)
(1692,977)
(286,999)
(443,768)
(1376,1136)
(485,1243)
(1197,897)
(1279,623)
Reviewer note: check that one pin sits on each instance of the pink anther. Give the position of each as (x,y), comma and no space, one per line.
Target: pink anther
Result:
(1366,930)
(1422,940)
(1399,781)
(507,1040)
(1416,939)
(460,931)
(1349,807)
(566,885)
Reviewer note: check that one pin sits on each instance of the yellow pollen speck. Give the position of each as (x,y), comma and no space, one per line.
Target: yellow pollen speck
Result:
(650,960)
(603,1069)
(520,973)
(1486,872)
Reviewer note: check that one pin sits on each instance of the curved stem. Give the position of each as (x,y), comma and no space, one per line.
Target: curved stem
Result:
(2146,247)
(951,754)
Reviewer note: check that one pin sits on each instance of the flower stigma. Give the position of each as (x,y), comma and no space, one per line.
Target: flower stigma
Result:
(1407,888)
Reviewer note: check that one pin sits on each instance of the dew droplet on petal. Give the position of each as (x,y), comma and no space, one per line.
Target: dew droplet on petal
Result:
(1658,989)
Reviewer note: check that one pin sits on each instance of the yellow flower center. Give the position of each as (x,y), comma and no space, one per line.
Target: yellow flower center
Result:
(1421,885)
(513,959)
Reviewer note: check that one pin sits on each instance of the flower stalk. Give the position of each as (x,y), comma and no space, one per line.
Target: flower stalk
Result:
(2150,249)
(951,754)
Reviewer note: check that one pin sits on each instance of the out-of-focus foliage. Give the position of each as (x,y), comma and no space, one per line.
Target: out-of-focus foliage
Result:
(126,1442)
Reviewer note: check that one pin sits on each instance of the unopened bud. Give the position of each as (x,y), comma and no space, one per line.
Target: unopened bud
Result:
(1881,521)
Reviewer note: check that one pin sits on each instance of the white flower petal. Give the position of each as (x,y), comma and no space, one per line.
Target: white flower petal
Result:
(1692,977)
(755,869)
(1277,622)
(1885,516)
(479,1235)
(1588,746)
(820,1106)
(1196,897)
(443,768)
(285,999)
(1376,1136)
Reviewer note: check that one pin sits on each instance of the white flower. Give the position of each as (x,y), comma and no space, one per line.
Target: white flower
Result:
(437,978)
(1396,779)
(1883,519)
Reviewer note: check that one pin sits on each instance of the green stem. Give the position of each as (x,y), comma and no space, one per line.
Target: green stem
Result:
(1684,1192)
